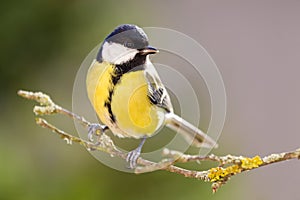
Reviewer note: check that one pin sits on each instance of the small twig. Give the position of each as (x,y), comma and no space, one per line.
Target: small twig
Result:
(237,164)
(48,107)
(106,145)
(218,175)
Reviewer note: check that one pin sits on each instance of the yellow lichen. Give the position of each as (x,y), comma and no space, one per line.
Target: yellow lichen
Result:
(250,163)
(219,173)
(234,169)
(216,174)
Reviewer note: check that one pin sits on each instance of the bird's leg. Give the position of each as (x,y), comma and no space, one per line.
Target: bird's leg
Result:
(133,155)
(96,129)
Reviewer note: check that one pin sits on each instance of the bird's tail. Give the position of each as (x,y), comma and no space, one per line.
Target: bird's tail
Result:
(192,134)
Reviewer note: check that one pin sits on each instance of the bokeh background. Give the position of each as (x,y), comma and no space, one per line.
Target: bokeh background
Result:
(255,44)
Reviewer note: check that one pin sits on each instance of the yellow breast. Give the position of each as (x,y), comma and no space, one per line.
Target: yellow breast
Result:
(99,84)
(132,108)
(134,115)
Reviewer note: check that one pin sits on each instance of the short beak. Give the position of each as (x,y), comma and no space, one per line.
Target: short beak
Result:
(148,50)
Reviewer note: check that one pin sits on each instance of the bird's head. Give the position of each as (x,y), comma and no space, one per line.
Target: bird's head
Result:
(126,43)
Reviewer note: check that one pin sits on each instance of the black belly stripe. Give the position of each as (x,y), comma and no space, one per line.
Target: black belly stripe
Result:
(107,104)
(136,64)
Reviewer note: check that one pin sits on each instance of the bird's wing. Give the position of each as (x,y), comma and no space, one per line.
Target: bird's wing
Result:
(157,93)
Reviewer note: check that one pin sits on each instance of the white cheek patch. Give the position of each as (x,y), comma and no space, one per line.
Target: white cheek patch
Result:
(116,53)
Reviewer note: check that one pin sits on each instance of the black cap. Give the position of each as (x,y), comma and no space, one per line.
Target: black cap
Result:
(130,36)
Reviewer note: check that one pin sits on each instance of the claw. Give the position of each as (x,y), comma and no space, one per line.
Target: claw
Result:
(95,129)
(133,155)
(132,158)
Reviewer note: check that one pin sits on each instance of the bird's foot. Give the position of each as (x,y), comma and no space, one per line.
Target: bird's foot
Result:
(95,129)
(132,157)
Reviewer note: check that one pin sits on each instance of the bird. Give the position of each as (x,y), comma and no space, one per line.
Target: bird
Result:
(128,96)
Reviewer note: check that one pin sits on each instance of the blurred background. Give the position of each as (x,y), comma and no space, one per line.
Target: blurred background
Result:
(255,44)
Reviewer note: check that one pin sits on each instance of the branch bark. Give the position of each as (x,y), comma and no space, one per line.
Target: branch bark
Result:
(227,167)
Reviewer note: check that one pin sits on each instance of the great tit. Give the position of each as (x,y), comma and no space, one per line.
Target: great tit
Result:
(128,95)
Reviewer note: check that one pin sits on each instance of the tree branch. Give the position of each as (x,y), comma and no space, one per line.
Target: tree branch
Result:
(227,167)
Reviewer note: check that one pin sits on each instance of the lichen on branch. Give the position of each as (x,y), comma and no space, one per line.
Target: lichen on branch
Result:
(227,166)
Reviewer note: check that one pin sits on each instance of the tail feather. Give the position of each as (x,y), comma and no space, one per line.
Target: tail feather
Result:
(192,134)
